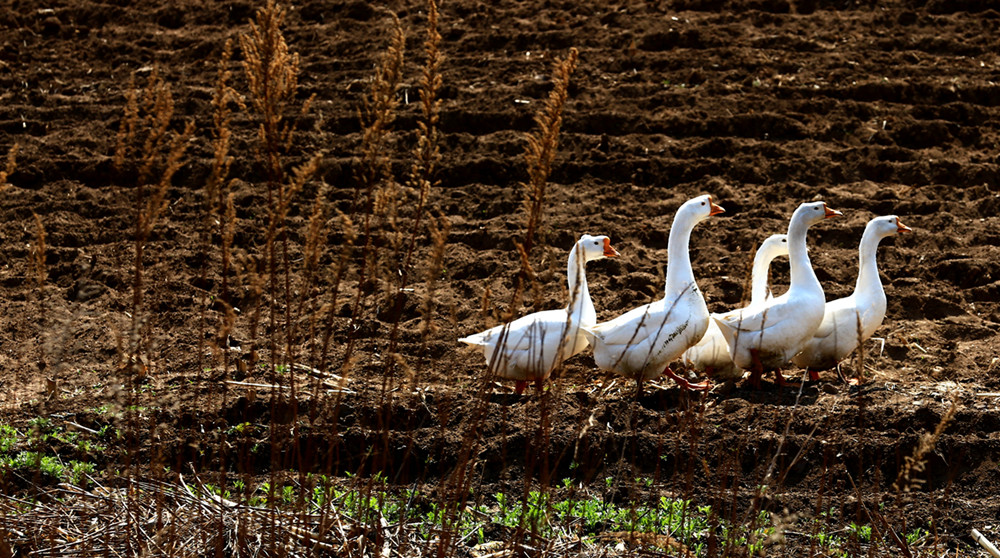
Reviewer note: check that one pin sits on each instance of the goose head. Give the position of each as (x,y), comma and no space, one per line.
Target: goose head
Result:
(698,209)
(811,213)
(888,225)
(596,247)
(775,246)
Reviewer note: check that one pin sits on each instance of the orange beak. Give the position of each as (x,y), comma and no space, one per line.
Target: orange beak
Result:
(901,228)
(716,209)
(831,212)
(609,251)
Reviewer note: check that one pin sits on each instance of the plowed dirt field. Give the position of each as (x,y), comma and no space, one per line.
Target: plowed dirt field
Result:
(876,108)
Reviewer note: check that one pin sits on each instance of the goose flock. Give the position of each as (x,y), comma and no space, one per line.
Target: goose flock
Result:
(798,327)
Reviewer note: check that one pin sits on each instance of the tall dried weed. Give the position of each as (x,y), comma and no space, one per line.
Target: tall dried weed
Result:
(375,190)
(149,153)
(271,70)
(540,153)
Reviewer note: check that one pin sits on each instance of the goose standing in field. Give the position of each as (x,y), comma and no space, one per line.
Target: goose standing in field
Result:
(711,354)
(767,336)
(531,347)
(640,343)
(848,322)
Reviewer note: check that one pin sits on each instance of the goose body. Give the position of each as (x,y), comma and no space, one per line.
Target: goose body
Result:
(640,343)
(767,336)
(711,354)
(531,347)
(849,321)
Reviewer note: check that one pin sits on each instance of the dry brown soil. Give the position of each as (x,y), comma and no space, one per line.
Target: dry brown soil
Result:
(875,107)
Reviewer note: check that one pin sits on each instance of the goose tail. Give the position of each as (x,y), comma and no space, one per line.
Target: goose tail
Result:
(728,331)
(476,340)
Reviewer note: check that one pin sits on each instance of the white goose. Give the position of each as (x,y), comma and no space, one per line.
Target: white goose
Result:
(849,321)
(640,343)
(711,354)
(530,347)
(768,335)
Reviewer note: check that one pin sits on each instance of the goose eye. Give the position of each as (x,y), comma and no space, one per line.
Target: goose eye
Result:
(784,240)
(702,203)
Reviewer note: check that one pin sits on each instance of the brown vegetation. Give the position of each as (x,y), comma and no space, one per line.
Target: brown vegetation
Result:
(238,338)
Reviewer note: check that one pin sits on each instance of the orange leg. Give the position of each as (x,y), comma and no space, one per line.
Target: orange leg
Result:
(846,380)
(520,386)
(779,378)
(539,386)
(700,386)
(814,375)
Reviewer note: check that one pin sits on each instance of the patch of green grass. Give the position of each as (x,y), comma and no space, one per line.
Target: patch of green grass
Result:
(71,438)
(915,536)
(43,424)
(216,491)
(89,447)
(566,511)
(41,428)
(9,437)
(43,460)
(862,532)
(108,432)
(28,462)
(79,471)
(242,429)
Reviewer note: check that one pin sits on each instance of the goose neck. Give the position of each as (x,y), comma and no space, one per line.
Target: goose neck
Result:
(576,278)
(801,274)
(679,273)
(868,278)
(758,277)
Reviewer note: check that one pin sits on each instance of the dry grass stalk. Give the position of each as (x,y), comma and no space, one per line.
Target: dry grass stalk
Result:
(223,98)
(861,348)
(216,200)
(38,269)
(9,167)
(127,126)
(146,141)
(272,77)
(914,465)
(217,195)
(378,111)
(144,137)
(439,228)
(339,267)
(37,254)
(250,275)
(539,156)
(228,323)
(316,235)
(426,155)
(300,175)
